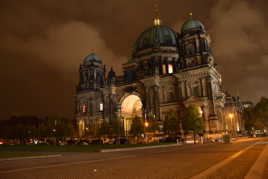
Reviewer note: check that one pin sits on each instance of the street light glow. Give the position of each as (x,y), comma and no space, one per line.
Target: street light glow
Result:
(146,124)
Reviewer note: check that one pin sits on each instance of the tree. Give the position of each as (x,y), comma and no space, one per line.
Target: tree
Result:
(137,127)
(193,121)
(105,128)
(261,109)
(172,124)
(57,127)
(117,128)
(257,116)
(153,124)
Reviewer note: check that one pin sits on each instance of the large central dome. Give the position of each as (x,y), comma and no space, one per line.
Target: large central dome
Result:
(155,37)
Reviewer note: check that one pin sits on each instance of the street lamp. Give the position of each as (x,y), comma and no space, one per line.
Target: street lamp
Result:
(231,115)
(146,124)
(200,111)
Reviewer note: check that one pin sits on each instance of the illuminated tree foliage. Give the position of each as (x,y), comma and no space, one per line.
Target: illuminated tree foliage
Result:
(105,128)
(117,128)
(23,128)
(172,124)
(137,127)
(256,118)
(153,124)
(192,121)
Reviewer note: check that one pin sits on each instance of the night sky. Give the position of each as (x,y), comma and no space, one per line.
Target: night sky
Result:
(44,41)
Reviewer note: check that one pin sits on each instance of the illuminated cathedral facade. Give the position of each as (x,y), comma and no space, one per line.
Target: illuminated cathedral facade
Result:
(168,71)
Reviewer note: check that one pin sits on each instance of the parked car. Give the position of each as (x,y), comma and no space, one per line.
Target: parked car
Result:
(71,142)
(169,139)
(123,141)
(83,142)
(96,141)
(108,140)
(2,142)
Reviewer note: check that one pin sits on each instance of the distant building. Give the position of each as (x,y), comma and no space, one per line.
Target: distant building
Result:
(168,69)
(234,114)
(247,104)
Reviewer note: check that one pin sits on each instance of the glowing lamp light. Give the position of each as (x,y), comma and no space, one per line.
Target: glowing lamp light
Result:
(200,111)
(231,115)
(157,22)
(146,124)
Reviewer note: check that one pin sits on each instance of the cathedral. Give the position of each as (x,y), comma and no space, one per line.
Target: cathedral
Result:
(169,69)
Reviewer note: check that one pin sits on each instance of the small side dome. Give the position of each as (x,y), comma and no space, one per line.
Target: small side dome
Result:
(92,58)
(192,25)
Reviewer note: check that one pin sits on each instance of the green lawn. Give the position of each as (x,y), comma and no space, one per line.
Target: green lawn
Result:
(67,148)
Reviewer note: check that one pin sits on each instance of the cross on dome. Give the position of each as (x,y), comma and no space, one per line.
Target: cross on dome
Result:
(157,20)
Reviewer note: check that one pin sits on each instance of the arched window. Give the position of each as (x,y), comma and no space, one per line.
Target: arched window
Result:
(196,91)
(170,68)
(101,106)
(164,69)
(84,108)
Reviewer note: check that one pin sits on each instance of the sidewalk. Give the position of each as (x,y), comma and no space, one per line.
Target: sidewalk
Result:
(139,148)
(31,157)
(245,139)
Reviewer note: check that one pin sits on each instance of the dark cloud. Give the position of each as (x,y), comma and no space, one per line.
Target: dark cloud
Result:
(43,43)
(241,47)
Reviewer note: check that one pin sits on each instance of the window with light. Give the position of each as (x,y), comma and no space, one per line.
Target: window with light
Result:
(84,108)
(170,68)
(101,106)
(164,69)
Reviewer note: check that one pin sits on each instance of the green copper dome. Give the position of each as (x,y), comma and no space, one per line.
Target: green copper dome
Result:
(92,58)
(156,36)
(192,24)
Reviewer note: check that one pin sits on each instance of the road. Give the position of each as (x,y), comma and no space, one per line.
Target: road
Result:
(245,158)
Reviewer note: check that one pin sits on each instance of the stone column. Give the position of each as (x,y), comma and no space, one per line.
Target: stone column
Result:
(201,87)
(204,87)
(157,102)
(180,90)
(147,99)
(185,89)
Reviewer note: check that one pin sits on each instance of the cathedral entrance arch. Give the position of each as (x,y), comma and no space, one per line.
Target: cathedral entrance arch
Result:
(131,106)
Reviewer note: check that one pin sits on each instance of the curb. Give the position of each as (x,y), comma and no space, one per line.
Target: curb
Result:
(32,157)
(138,148)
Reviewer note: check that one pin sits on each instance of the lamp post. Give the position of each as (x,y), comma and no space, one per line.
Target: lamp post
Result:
(146,124)
(54,134)
(119,118)
(231,118)
(86,133)
(201,112)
